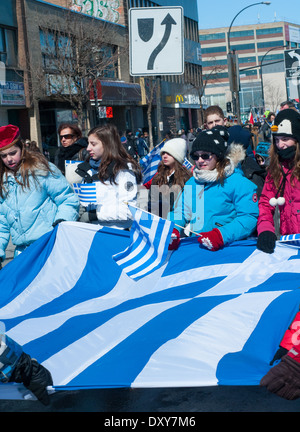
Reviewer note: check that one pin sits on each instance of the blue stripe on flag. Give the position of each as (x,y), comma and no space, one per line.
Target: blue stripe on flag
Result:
(150,238)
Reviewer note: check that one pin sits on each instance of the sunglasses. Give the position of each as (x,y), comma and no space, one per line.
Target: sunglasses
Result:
(67,136)
(204,156)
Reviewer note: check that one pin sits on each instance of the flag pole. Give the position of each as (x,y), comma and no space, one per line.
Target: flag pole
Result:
(179,226)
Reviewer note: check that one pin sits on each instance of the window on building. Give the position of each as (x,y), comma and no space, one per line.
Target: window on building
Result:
(213,50)
(268,31)
(205,37)
(242,47)
(271,44)
(242,33)
(8,47)
(247,60)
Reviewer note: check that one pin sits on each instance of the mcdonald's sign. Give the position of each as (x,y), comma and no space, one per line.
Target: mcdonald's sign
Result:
(179,98)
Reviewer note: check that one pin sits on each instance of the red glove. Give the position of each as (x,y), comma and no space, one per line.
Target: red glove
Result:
(175,240)
(212,240)
(284,378)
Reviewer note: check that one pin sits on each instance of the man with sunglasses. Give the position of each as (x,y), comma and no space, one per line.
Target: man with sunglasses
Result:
(72,145)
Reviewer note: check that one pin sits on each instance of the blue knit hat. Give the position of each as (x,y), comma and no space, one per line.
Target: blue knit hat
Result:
(262,149)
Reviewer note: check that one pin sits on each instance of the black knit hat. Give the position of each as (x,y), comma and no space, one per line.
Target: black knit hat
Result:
(213,140)
(287,123)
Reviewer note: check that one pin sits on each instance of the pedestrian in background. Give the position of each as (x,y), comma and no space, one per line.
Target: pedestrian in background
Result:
(34,195)
(73,145)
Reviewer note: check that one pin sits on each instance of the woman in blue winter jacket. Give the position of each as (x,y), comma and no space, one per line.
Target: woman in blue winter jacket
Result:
(218,202)
(34,195)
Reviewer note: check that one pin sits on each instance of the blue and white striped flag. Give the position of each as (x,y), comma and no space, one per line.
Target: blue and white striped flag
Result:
(150,162)
(86,193)
(202,319)
(148,250)
(291,239)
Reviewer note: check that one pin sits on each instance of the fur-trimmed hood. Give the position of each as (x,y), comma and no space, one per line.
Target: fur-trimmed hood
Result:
(235,154)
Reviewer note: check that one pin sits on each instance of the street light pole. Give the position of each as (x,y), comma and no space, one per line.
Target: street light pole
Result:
(235,94)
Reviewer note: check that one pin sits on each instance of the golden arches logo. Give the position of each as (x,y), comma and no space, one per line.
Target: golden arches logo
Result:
(179,98)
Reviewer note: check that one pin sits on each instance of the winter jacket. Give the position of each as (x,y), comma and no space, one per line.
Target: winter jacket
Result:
(76,151)
(206,204)
(26,214)
(162,198)
(289,212)
(111,208)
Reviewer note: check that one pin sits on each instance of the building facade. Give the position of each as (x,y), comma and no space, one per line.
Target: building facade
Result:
(12,92)
(261,53)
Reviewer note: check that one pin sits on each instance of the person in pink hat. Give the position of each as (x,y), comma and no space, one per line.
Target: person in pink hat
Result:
(34,195)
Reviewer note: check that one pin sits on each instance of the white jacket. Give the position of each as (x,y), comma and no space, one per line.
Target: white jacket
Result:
(112,210)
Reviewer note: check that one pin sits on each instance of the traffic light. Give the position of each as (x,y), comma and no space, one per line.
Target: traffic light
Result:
(228,107)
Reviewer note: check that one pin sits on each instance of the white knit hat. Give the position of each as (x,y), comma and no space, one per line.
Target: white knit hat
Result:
(177,148)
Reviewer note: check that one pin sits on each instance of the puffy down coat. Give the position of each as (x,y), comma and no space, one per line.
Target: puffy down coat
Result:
(28,213)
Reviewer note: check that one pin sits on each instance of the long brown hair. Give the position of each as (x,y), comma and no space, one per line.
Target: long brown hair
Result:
(115,158)
(274,169)
(29,163)
(220,167)
(181,174)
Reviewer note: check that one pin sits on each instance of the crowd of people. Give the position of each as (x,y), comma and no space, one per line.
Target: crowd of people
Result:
(233,190)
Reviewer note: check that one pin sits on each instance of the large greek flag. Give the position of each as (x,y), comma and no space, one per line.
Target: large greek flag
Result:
(202,319)
(149,242)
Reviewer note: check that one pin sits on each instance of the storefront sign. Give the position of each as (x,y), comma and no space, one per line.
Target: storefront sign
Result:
(12,93)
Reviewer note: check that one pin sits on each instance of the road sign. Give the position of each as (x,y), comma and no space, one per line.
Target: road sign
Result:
(156,41)
(292,63)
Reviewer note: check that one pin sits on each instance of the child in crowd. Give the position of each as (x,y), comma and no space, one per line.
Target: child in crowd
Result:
(282,184)
(217,202)
(116,175)
(34,195)
(170,178)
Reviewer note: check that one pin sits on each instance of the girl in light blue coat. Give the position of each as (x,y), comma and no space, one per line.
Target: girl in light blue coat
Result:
(218,203)
(34,195)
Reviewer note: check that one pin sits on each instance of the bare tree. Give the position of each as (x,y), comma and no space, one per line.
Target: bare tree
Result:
(274,95)
(76,53)
(199,83)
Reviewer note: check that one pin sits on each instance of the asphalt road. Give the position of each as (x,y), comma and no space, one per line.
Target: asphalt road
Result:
(178,400)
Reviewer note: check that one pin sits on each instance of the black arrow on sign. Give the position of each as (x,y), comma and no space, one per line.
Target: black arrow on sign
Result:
(168,21)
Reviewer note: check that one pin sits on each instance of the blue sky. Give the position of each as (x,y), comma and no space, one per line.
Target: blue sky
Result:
(219,13)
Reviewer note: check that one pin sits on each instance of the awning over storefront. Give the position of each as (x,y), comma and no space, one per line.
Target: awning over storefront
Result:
(117,93)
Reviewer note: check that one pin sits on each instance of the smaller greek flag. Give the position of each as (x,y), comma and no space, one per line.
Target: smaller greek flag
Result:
(187,164)
(150,162)
(86,193)
(291,239)
(149,241)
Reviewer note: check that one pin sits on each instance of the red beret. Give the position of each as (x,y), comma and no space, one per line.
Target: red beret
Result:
(9,136)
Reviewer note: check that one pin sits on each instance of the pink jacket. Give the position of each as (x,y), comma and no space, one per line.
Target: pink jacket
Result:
(289,212)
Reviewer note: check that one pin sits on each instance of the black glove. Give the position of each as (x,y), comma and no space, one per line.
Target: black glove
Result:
(279,353)
(266,241)
(0,263)
(57,222)
(284,379)
(34,376)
